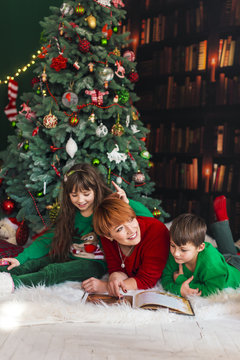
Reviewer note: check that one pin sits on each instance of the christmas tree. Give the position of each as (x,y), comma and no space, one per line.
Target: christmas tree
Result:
(80,110)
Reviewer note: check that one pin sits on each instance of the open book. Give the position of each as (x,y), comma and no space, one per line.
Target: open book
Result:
(149,299)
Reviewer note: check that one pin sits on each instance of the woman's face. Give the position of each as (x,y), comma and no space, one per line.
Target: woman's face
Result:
(127,233)
(83,200)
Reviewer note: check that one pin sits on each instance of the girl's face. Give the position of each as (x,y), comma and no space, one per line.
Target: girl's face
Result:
(83,200)
(127,234)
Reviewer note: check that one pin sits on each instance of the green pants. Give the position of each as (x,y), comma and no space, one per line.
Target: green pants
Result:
(222,234)
(45,271)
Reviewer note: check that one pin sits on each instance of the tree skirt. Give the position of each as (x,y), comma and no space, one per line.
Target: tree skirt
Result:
(62,303)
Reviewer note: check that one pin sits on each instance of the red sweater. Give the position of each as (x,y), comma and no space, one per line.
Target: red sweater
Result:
(148,258)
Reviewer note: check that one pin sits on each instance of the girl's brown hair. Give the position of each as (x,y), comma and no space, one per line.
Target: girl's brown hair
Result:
(80,177)
(188,228)
(110,213)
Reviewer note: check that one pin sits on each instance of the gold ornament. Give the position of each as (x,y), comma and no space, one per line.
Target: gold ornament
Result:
(91,20)
(92,117)
(117,129)
(44,75)
(90,66)
(116,52)
(134,115)
(53,211)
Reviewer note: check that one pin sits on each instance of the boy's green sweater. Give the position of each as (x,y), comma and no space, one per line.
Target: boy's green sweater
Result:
(83,225)
(211,274)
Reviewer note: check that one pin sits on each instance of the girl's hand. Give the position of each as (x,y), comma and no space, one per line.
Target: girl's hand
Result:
(93,285)
(13,262)
(187,291)
(121,193)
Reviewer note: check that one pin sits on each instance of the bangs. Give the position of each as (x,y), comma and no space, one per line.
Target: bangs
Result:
(75,184)
(111,213)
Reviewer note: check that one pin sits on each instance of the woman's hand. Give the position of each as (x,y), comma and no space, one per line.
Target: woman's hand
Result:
(187,291)
(120,192)
(13,262)
(93,285)
(115,283)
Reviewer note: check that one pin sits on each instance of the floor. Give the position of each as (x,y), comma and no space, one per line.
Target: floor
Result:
(210,339)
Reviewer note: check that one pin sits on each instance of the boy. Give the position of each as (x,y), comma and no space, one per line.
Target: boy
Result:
(195,267)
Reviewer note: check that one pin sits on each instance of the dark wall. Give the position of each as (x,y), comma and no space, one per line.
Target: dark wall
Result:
(20,39)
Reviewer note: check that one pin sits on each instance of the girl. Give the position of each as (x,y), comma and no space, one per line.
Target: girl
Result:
(136,248)
(72,251)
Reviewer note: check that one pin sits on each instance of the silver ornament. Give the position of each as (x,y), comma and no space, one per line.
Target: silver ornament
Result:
(101,130)
(66,9)
(69,99)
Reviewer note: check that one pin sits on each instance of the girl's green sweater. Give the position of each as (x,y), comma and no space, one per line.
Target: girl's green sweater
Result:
(41,246)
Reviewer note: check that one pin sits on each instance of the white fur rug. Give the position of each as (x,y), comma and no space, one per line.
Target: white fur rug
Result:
(62,303)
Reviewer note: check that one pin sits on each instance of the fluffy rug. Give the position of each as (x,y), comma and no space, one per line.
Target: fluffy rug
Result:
(62,303)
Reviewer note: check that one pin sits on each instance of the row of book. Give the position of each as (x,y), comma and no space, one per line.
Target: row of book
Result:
(192,93)
(227,139)
(174,174)
(229,51)
(180,58)
(225,178)
(178,206)
(171,25)
(231,13)
(227,90)
(169,138)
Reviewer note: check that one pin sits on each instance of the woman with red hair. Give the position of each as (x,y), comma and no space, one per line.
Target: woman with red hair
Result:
(136,248)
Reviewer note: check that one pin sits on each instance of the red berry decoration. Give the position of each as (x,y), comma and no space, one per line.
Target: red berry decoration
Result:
(8,206)
(84,46)
(22,233)
(59,63)
(73,121)
(134,77)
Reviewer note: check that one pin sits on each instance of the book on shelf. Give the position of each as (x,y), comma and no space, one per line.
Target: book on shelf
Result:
(148,299)
(202,55)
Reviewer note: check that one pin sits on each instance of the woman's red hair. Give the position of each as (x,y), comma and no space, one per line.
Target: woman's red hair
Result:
(111,212)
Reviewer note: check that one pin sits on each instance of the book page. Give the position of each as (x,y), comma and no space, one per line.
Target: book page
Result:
(107,299)
(151,298)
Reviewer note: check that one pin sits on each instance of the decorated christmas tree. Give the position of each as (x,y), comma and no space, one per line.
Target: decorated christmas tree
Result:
(81,109)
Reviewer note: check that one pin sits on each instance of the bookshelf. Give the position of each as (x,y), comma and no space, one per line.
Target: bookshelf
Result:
(188,55)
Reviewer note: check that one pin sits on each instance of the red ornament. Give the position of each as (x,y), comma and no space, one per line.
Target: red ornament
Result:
(59,63)
(73,121)
(34,81)
(22,233)
(8,206)
(134,77)
(1,180)
(35,131)
(84,46)
(139,177)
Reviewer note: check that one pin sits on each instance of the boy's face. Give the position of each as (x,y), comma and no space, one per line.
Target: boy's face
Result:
(185,254)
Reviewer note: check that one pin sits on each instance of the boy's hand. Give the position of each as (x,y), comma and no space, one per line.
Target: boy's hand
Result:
(187,291)
(177,273)
(120,192)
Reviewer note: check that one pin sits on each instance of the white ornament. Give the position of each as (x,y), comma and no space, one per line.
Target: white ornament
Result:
(104,2)
(71,147)
(116,156)
(119,180)
(101,130)
(66,9)
(127,120)
(134,129)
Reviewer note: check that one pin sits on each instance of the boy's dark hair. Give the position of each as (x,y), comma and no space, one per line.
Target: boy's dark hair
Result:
(188,228)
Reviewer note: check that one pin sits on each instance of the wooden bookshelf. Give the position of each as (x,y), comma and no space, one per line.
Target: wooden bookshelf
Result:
(188,55)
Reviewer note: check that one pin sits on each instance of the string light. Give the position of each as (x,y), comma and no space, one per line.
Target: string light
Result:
(21,70)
